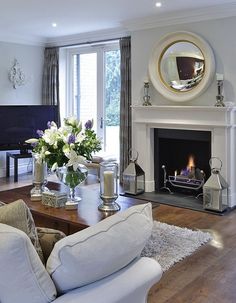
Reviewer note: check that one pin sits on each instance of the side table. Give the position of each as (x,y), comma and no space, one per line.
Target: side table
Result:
(15,157)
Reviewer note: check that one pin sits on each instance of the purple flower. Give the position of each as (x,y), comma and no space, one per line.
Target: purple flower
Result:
(39,133)
(71,139)
(88,124)
(34,144)
(49,124)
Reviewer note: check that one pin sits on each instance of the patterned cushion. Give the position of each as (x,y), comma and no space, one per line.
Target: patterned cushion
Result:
(18,215)
(47,238)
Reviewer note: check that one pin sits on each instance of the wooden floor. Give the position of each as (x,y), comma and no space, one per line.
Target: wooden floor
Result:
(208,275)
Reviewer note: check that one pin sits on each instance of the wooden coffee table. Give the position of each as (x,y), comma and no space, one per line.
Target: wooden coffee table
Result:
(68,221)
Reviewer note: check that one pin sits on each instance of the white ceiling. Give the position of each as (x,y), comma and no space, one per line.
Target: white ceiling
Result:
(30,20)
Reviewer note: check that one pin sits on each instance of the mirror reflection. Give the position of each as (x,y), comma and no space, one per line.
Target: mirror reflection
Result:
(182,66)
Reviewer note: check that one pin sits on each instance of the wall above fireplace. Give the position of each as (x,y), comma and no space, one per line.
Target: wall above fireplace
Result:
(221,122)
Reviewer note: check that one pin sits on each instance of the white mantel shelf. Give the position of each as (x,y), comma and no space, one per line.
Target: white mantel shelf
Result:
(220,121)
(181,108)
(202,116)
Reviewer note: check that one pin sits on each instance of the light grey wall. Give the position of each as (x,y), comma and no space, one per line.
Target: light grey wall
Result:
(220,34)
(30,59)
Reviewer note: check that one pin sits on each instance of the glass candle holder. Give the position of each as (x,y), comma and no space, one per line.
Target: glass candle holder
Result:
(39,178)
(109,186)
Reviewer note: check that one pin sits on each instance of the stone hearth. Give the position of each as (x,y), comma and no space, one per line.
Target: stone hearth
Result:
(221,122)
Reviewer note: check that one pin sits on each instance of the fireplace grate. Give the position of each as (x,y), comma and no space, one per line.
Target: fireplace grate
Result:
(186,182)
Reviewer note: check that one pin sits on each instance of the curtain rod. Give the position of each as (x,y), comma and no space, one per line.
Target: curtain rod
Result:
(88,42)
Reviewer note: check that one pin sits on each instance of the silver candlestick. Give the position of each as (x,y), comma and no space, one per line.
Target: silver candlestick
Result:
(146,97)
(39,178)
(219,97)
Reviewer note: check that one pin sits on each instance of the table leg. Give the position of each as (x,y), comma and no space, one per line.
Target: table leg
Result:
(15,169)
(7,166)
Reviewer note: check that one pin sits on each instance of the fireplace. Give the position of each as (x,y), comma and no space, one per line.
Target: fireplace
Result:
(211,131)
(181,157)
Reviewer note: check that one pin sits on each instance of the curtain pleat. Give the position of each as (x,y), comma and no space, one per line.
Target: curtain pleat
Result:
(125,103)
(50,86)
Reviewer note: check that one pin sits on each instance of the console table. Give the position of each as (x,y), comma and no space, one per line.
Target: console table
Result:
(16,157)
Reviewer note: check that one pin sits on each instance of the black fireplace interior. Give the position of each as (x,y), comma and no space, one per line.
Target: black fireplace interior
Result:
(184,155)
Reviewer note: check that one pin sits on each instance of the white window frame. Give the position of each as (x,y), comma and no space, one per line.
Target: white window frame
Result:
(100,49)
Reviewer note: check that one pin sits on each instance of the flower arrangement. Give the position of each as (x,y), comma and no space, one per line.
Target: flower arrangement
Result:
(69,145)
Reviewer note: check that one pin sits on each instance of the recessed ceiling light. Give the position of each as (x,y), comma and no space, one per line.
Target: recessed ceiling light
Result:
(54,24)
(158,4)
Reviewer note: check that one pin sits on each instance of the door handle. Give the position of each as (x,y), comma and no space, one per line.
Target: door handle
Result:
(101,122)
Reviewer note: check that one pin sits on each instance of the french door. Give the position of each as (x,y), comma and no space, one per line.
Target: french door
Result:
(95,91)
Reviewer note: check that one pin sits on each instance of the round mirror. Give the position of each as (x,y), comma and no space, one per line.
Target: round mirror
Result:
(181,66)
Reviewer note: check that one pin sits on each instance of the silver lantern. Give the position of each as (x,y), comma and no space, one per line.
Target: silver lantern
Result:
(215,190)
(134,178)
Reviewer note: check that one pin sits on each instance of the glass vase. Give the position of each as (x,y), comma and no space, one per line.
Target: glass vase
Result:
(72,179)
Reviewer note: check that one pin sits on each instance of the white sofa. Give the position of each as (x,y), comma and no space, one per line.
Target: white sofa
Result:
(100,264)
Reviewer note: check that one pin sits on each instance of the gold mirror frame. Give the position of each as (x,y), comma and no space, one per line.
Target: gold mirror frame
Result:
(157,54)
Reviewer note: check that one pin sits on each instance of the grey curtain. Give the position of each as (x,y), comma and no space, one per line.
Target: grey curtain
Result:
(50,89)
(125,103)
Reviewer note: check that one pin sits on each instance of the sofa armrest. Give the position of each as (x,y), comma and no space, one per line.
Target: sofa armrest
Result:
(129,285)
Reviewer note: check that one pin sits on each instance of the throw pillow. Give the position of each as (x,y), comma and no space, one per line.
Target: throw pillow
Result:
(100,250)
(48,238)
(18,215)
(23,277)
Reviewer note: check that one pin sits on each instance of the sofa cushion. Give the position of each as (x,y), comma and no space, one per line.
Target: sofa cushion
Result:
(18,215)
(23,277)
(100,250)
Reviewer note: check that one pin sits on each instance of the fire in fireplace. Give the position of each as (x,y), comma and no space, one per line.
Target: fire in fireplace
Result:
(190,177)
(181,160)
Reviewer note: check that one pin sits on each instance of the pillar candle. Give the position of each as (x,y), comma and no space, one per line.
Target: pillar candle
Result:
(38,172)
(219,77)
(108,183)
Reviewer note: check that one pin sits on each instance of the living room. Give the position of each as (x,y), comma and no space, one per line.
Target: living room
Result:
(208,274)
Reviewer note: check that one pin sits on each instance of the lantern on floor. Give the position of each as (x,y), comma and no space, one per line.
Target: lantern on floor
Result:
(215,190)
(133,177)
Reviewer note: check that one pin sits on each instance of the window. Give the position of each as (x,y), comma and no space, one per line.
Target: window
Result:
(93,90)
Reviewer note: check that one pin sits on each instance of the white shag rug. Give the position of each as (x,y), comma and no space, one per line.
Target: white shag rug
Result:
(170,244)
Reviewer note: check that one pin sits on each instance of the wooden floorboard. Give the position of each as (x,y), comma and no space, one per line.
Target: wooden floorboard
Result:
(208,275)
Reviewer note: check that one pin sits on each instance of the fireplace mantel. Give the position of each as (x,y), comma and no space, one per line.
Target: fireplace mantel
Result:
(220,121)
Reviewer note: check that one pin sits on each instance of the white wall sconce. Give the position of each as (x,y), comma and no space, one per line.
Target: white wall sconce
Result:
(16,75)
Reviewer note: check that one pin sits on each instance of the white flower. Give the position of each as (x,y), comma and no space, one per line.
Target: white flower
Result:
(66,149)
(32,141)
(74,159)
(50,136)
(65,132)
(79,138)
(43,153)
(54,166)
(73,121)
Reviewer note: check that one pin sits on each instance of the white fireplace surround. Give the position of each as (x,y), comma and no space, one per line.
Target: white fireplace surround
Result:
(220,121)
